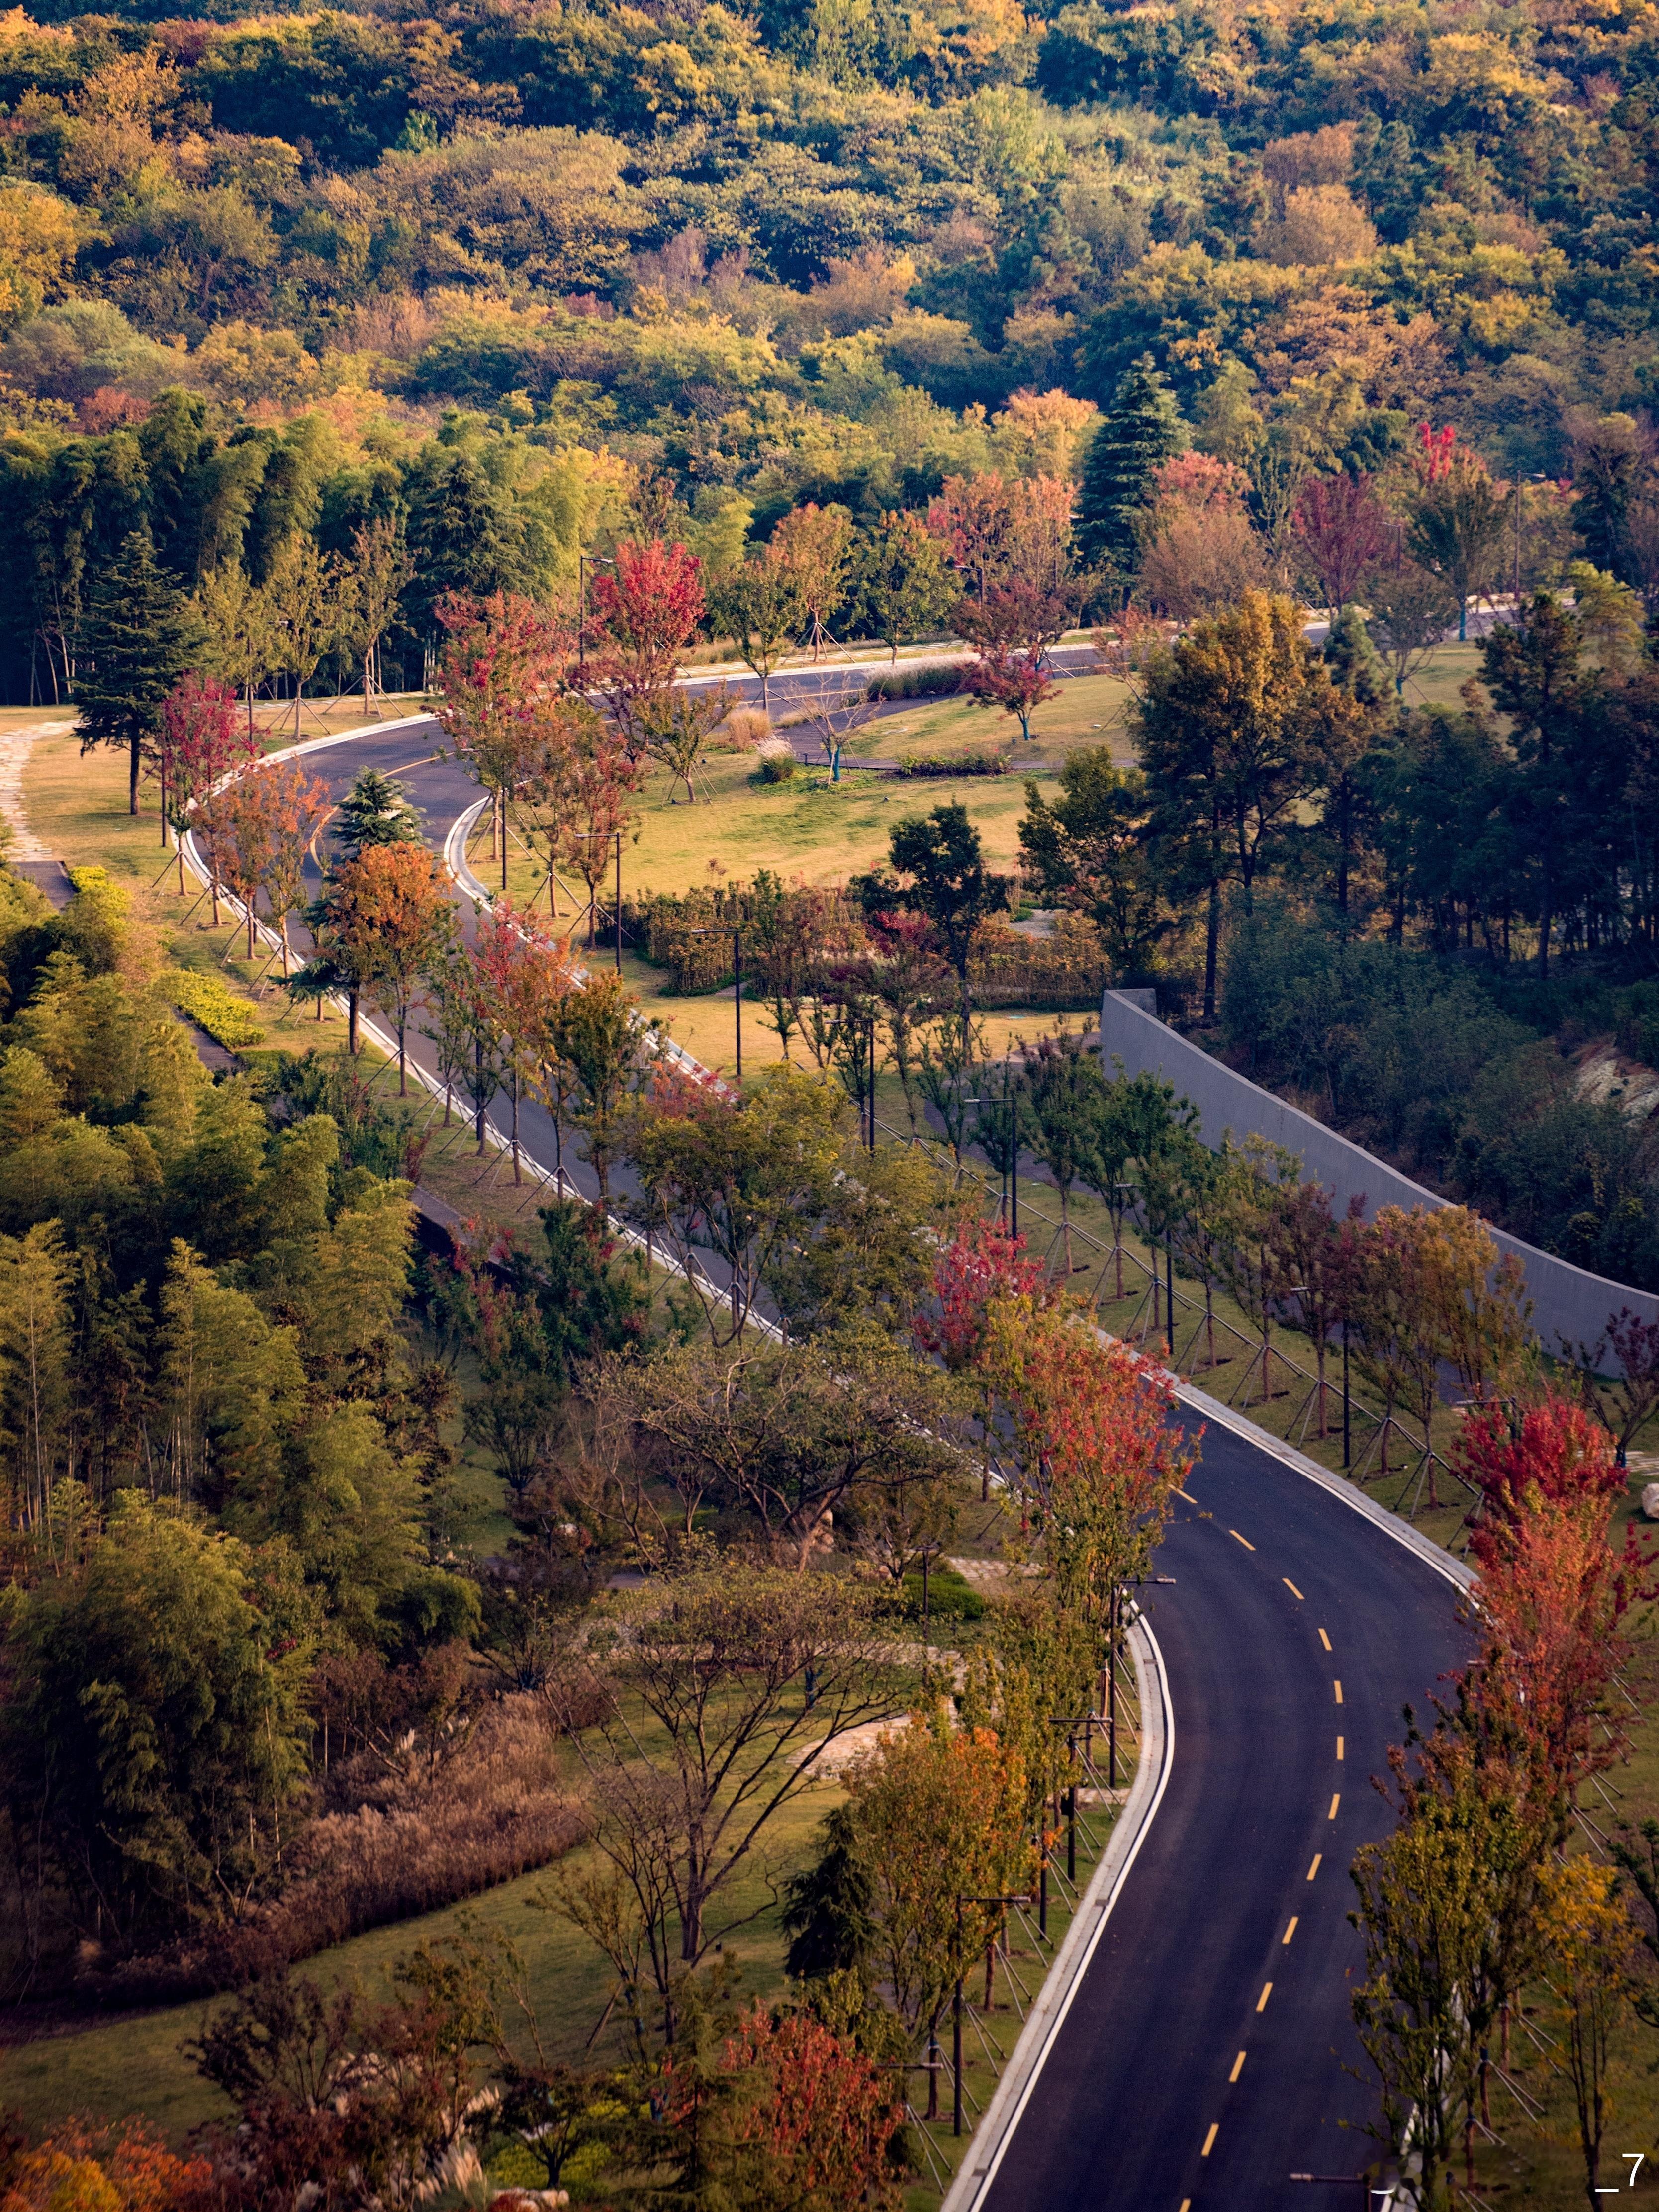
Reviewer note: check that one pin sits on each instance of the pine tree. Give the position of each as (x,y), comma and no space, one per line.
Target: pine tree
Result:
(376,811)
(139,639)
(1140,431)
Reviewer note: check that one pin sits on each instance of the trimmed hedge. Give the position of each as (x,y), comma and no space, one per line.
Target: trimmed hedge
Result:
(931,766)
(213,1005)
(932,679)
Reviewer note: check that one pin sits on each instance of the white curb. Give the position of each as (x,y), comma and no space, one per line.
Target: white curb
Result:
(1433,1555)
(1014,2091)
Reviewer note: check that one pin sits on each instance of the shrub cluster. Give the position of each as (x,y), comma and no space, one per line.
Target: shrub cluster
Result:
(933,767)
(929,679)
(228,1019)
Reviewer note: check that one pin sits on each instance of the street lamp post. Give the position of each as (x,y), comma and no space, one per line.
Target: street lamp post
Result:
(737,995)
(1537,480)
(584,562)
(929,1553)
(736,984)
(1012,1109)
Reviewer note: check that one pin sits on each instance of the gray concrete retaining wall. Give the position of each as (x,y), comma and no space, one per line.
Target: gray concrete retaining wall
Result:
(1568,1303)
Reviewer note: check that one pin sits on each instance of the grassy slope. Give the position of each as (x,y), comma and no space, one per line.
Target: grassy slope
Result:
(137,2064)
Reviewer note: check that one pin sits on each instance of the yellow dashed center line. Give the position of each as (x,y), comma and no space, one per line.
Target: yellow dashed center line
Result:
(1238,2067)
(1339,1746)
(1290,1586)
(1290,1931)
(1209,2140)
(1245,1541)
(1335,1801)
(1324,1639)
(1262,2001)
(1314,1868)
(1339,1693)
(1186,2204)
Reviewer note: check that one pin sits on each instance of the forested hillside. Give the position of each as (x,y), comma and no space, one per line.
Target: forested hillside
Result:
(488,267)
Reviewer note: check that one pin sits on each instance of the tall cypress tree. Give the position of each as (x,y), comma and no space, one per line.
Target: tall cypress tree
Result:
(138,638)
(1139,432)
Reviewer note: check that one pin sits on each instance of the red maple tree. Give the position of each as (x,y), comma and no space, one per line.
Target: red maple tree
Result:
(1339,530)
(645,610)
(824,2118)
(1013,629)
(200,744)
(1552,1451)
(1554,1593)
(520,974)
(980,1263)
(500,674)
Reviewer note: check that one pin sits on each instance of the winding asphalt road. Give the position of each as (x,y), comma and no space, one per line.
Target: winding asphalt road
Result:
(1209,2052)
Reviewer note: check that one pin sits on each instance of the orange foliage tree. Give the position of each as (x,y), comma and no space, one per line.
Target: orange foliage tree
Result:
(1099,1456)
(382,918)
(83,2167)
(821,2119)
(1553,1593)
(521,976)
(941,1814)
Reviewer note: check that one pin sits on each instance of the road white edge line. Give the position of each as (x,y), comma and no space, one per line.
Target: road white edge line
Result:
(1432,1555)
(1019,2077)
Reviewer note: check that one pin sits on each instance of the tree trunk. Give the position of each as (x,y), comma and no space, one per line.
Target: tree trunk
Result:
(132,773)
(1544,917)
(1212,942)
(351,1021)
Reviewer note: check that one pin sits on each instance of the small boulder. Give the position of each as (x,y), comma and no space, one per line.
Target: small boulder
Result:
(1650,1500)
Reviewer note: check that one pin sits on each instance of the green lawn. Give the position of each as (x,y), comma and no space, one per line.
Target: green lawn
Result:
(137,2065)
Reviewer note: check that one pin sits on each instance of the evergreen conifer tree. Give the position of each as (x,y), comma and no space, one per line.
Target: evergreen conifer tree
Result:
(139,639)
(827,1907)
(1354,661)
(376,811)
(1139,432)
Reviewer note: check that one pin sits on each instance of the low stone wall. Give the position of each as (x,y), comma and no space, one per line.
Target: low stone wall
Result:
(1568,1304)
